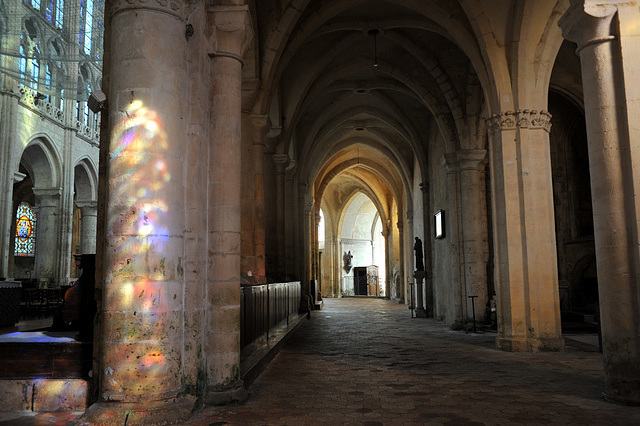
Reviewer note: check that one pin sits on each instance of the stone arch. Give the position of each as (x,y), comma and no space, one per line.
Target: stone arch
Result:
(41,159)
(85,180)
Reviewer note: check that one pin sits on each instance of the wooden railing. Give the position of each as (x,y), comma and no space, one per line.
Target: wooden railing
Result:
(263,307)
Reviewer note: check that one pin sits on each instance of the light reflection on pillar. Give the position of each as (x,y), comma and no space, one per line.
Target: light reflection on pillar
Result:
(139,348)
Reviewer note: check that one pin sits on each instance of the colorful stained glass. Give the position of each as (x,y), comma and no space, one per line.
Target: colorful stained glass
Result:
(25,231)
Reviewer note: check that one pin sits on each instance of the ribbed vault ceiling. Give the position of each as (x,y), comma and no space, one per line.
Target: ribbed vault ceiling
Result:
(357,87)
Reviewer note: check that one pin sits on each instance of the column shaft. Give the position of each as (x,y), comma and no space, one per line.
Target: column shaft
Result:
(89,215)
(47,233)
(471,165)
(524,232)
(141,346)
(607,35)
(229,31)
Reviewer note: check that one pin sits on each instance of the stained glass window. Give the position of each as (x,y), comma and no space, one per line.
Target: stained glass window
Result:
(25,231)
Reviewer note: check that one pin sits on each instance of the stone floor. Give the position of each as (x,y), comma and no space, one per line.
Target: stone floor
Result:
(367,362)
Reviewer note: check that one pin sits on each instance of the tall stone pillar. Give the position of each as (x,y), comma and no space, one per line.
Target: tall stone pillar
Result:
(428,235)
(89,214)
(8,177)
(454,234)
(607,34)
(401,243)
(47,233)
(229,29)
(280,161)
(140,361)
(386,232)
(260,127)
(471,166)
(524,232)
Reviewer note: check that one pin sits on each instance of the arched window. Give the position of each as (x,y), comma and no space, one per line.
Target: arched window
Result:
(86,25)
(91,27)
(35,68)
(53,10)
(22,64)
(25,231)
(59,13)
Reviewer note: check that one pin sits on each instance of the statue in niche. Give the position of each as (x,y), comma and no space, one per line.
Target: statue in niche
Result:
(346,258)
(417,247)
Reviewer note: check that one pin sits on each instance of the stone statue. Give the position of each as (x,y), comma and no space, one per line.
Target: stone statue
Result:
(346,258)
(417,247)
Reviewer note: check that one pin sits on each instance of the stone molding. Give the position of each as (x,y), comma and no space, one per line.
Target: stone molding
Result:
(171,7)
(519,119)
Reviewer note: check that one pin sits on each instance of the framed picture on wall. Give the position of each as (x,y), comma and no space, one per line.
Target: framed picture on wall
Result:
(438,221)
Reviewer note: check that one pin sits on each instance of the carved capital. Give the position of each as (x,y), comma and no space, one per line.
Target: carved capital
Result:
(520,119)
(260,127)
(88,207)
(450,161)
(172,7)
(472,159)
(588,22)
(47,197)
(230,31)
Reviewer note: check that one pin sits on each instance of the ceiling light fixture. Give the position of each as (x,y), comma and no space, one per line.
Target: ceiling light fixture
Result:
(374,32)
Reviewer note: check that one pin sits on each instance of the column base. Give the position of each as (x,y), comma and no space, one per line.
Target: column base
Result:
(421,313)
(523,344)
(177,410)
(228,395)
(622,390)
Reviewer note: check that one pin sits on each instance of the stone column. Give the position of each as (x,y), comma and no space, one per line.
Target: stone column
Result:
(401,244)
(47,233)
(8,177)
(454,235)
(89,215)
(260,127)
(471,166)
(229,34)
(280,161)
(524,232)
(386,232)
(140,363)
(316,255)
(428,236)
(607,34)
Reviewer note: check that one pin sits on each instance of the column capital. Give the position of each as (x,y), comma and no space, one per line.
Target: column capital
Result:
(171,7)
(230,31)
(260,127)
(450,161)
(472,159)
(281,161)
(519,119)
(87,205)
(47,197)
(588,22)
